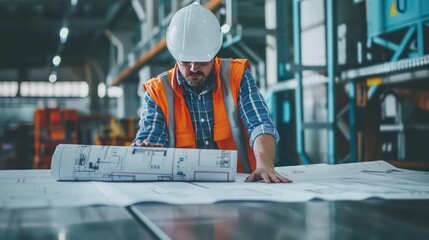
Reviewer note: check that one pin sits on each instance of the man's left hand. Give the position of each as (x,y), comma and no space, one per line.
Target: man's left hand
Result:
(264,148)
(267,174)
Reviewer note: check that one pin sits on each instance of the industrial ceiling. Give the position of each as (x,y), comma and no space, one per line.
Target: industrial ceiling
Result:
(30,33)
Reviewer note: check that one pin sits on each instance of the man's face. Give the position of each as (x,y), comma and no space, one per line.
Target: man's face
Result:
(195,72)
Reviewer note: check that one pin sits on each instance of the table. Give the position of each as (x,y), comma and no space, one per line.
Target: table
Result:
(65,223)
(316,219)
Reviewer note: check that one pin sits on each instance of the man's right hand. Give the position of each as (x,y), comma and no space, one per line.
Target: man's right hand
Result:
(147,143)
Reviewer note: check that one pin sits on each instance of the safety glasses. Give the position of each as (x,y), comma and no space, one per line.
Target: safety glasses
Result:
(188,64)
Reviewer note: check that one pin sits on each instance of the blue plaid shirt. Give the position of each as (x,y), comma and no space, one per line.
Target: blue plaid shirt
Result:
(253,112)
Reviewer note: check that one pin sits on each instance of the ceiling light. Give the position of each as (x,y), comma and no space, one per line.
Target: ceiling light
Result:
(114,92)
(73,2)
(56,60)
(101,90)
(64,32)
(225,28)
(53,77)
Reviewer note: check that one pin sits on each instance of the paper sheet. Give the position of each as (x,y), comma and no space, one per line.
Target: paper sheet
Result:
(354,181)
(118,163)
(324,171)
(37,188)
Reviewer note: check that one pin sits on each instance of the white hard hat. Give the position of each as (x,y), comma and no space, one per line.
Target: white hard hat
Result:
(194,34)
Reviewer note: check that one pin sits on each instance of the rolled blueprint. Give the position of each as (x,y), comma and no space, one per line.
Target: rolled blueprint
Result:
(71,162)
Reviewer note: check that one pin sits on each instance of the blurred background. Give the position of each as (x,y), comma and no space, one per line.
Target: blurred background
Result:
(345,80)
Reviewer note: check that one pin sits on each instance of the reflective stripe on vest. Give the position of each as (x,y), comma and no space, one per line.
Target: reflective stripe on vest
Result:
(233,117)
(169,93)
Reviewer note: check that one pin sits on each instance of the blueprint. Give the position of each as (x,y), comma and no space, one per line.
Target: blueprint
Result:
(352,181)
(119,163)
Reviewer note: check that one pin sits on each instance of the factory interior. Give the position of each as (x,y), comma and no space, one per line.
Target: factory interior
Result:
(343,84)
(346,83)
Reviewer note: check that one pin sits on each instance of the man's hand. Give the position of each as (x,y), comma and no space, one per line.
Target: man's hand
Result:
(267,174)
(264,148)
(147,143)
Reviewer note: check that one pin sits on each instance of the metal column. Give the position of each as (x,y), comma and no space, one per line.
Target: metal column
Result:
(352,121)
(331,69)
(300,138)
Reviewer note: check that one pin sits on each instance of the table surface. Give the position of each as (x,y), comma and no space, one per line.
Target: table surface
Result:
(85,223)
(369,219)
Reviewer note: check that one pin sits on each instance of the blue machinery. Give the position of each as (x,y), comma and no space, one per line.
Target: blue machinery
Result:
(405,17)
(397,25)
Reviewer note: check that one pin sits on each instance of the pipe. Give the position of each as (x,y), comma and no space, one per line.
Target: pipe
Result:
(142,60)
(116,42)
(138,9)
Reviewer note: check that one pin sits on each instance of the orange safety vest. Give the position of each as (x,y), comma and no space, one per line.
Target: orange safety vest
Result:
(181,131)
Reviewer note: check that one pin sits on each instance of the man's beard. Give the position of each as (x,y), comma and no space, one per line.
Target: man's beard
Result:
(195,82)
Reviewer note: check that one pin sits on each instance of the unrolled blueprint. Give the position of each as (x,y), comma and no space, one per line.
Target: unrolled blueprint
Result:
(352,181)
(119,163)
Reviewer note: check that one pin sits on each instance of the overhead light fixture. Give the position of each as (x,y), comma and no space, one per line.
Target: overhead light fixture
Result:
(56,60)
(115,92)
(73,2)
(53,77)
(225,28)
(8,89)
(64,32)
(101,90)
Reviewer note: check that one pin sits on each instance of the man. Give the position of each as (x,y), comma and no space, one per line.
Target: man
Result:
(208,102)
